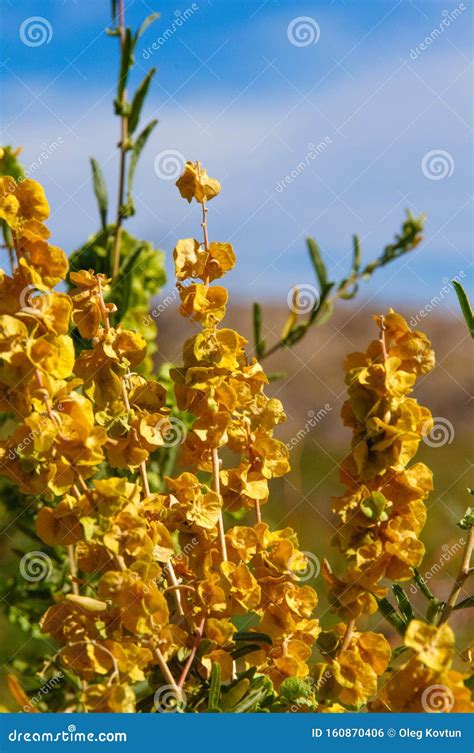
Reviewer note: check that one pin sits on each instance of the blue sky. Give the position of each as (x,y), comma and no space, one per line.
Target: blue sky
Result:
(235,91)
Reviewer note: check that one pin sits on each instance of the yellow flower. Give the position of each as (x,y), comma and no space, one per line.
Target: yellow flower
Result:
(195,183)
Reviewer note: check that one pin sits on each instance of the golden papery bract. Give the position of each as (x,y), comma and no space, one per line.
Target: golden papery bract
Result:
(195,183)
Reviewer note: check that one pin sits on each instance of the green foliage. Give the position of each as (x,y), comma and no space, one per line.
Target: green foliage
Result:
(329,291)
(465,306)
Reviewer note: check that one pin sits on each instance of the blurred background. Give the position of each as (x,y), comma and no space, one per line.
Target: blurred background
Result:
(319,118)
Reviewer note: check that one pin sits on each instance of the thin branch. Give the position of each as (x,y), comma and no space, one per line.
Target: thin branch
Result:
(347,636)
(461,577)
(217,488)
(73,569)
(123,160)
(191,656)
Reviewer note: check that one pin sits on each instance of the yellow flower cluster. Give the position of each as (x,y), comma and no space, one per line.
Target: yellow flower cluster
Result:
(348,678)
(247,568)
(153,577)
(382,512)
(426,681)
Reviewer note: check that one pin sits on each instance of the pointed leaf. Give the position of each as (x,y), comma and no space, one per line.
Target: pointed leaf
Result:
(136,151)
(251,636)
(465,603)
(100,191)
(391,615)
(259,342)
(145,24)
(138,100)
(403,603)
(465,306)
(317,262)
(125,63)
(356,255)
(215,687)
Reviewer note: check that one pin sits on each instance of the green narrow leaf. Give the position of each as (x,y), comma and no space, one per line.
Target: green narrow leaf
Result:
(100,191)
(403,603)
(138,100)
(215,686)
(260,688)
(317,262)
(356,256)
(136,151)
(237,653)
(125,63)
(122,286)
(465,603)
(391,615)
(465,306)
(145,24)
(259,342)
(421,583)
(251,636)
